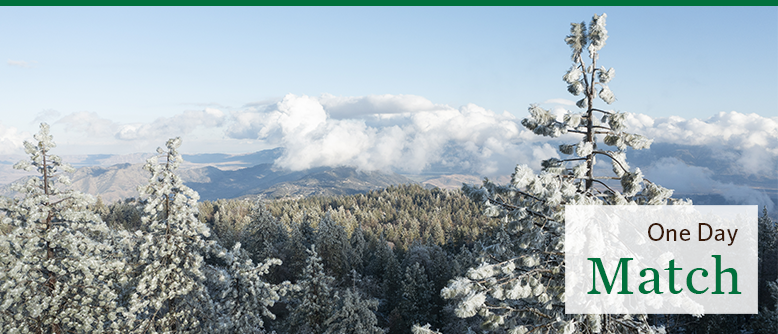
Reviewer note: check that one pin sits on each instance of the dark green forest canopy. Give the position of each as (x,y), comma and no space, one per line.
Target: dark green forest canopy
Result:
(398,247)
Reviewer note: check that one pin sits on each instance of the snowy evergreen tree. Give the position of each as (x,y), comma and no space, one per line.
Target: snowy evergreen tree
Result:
(170,293)
(427,270)
(242,297)
(426,329)
(59,271)
(358,250)
(767,320)
(768,237)
(264,235)
(436,236)
(333,246)
(525,293)
(315,304)
(296,249)
(354,315)
(417,291)
(384,266)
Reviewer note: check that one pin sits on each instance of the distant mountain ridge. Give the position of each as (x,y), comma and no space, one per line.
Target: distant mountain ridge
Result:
(218,175)
(122,180)
(215,176)
(247,160)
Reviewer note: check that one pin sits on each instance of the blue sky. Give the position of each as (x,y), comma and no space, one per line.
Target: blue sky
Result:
(133,65)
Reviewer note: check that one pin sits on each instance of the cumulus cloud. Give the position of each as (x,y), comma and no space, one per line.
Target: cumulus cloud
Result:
(165,127)
(747,141)
(21,63)
(89,123)
(411,134)
(12,140)
(731,129)
(467,139)
(375,106)
(684,179)
(47,115)
(87,132)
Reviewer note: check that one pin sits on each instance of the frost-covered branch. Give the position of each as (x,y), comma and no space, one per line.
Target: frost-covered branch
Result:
(54,274)
(519,287)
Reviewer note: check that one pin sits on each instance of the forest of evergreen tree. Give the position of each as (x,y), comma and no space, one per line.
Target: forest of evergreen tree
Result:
(378,262)
(391,252)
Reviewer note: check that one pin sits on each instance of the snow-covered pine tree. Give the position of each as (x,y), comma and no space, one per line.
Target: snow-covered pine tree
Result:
(426,329)
(416,304)
(358,250)
(333,246)
(242,296)
(314,305)
(296,249)
(58,267)
(354,315)
(768,236)
(525,293)
(170,294)
(767,320)
(264,236)
(383,265)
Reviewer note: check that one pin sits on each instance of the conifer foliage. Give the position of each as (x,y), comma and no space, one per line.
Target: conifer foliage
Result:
(354,314)
(242,297)
(525,293)
(170,294)
(315,305)
(58,270)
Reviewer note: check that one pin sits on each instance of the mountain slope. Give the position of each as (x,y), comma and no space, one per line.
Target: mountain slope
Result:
(122,180)
(334,181)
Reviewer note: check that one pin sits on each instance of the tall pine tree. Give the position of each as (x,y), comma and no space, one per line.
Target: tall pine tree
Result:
(170,295)
(59,271)
(241,296)
(314,305)
(525,293)
(353,315)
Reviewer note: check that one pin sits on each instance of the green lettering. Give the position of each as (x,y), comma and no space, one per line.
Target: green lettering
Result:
(731,271)
(597,265)
(690,284)
(655,280)
(672,270)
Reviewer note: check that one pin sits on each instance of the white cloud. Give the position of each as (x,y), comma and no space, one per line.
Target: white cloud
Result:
(747,142)
(89,133)
(420,135)
(47,115)
(22,63)
(89,123)
(340,107)
(684,179)
(96,127)
(408,133)
(728,129)
(12,140)
(167,127)
(412,135)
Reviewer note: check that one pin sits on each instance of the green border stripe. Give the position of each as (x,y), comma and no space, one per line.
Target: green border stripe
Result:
(387,3)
